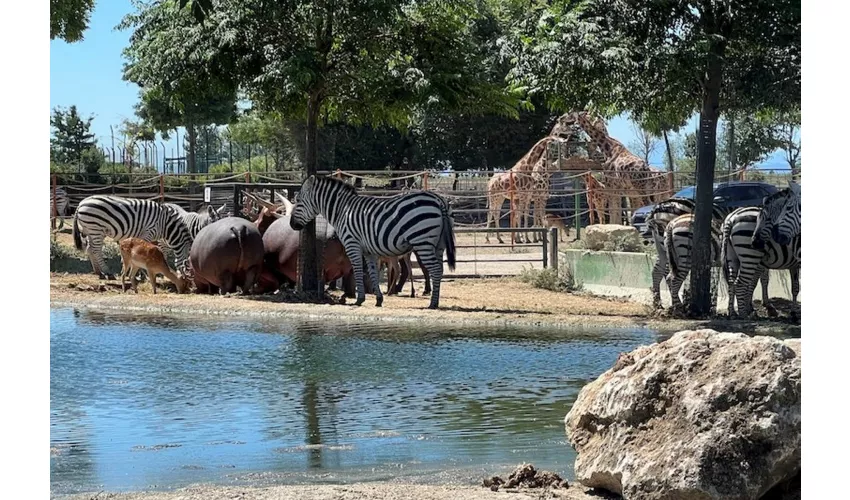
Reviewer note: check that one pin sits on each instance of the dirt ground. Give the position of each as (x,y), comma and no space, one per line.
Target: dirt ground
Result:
(371,491)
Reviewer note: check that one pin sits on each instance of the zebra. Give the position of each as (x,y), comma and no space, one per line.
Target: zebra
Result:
(678,241)
(372,227)
(656,223)
(196,221)
(757,239)
(61,207)
(98,216)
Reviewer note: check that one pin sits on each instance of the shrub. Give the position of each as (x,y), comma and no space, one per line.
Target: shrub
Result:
(556,280)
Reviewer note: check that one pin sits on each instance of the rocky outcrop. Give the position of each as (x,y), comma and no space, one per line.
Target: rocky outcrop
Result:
(703,415)
(612,238)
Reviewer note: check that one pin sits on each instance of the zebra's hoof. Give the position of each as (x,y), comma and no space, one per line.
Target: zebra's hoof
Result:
(433,306)
(359,302)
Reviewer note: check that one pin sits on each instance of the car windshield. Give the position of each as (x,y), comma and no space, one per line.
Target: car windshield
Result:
(688,192)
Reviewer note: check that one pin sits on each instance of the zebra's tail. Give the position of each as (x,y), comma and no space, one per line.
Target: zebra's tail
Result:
(725,241)
(449,237)
(672,263)
(78,240)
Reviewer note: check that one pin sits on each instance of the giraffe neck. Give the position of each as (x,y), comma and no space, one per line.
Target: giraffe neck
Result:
(527,163)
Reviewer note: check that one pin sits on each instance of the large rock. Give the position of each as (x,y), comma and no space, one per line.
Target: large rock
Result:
(703,415)
(612,237)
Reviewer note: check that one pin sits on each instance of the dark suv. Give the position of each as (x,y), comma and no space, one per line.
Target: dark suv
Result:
(731,195)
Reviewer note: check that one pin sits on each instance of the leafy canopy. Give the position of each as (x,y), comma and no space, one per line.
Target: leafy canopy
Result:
(69,19)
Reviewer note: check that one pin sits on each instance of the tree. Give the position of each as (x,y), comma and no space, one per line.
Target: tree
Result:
(709,56)
(355,61)
(748,140)
(786,130)
(170,58)
(69,19)
(646,142)
(71,135)
(135,131)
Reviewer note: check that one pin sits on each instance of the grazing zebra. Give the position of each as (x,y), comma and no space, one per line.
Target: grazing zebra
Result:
(103,215)
(196,221)
(61,207)
(757,239)
(372,227)
(656,223)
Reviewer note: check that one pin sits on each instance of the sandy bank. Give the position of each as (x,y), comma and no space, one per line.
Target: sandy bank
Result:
(371,491)
(486,302)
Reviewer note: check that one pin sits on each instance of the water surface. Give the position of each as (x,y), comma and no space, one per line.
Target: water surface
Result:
(140,402)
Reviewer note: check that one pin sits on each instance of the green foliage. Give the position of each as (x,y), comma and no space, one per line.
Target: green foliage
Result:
(71,135)
(69,19)
(556,280)
(754,139)
(171,57)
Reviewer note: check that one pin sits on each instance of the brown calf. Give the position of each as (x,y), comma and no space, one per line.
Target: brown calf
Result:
(140,254)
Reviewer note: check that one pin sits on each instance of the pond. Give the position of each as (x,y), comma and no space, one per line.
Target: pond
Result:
(140,402)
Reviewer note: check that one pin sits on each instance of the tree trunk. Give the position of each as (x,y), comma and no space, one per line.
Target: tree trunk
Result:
(308,262)
(671,167)
(190,154)
(731,142)
(706,157)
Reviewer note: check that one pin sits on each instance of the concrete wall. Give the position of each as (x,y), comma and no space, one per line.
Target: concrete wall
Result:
(625,274)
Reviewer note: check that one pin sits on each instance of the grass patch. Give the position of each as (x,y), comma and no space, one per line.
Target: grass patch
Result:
(555,280)
(66,259)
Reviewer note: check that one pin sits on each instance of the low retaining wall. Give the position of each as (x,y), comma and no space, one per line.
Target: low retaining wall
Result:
(626,274)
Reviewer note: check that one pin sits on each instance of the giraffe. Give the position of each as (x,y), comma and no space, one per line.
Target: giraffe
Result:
(626,172)
(499,188)
(597,198)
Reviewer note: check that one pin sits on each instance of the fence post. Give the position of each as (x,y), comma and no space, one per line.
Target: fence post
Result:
(513,209)
(161,189)
(248,177)
(55,210)
(553,248)
(671,185)
(545,248)
(339,174)
(425,180)
(577,215)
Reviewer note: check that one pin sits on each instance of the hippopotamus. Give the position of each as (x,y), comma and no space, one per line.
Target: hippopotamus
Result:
(226,254)
(282,244)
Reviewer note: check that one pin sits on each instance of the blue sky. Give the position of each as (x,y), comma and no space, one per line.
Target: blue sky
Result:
(88,74)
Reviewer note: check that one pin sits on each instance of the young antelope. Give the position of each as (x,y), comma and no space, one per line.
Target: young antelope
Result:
(140,254)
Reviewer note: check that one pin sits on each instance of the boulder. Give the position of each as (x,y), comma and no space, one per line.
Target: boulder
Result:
(702,415)
(612,237)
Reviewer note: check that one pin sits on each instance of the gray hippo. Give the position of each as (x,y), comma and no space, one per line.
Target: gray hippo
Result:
(226,254)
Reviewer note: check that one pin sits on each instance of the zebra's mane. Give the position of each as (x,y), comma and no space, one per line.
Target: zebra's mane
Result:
(344,185)
(783,193)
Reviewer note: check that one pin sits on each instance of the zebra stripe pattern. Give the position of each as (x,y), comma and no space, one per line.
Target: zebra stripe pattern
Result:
(743,260)
(678,242)
(372,227)
(656,223)
(196,221)
(61,202)
(99,216)
(780,219)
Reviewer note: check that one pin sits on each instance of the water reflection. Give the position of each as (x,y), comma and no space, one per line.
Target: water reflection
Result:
(139,401)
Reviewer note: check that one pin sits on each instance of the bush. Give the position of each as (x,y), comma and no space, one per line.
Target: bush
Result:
(556,280)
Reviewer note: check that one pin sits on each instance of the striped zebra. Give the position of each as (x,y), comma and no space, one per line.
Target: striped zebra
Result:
(656,224)
(196,221)
(372,227)
(757,239)
(99,216)
(678,242)
(60,208)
